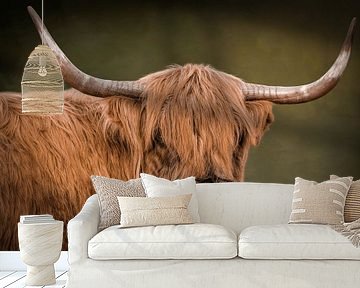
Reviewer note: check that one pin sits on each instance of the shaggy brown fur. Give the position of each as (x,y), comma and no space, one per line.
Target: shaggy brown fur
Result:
(200,123)
(193,121)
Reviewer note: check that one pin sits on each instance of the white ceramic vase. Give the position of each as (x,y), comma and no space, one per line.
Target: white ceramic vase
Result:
(40,247)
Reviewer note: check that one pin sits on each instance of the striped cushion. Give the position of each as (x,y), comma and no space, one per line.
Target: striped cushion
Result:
(320,203)
(352,203)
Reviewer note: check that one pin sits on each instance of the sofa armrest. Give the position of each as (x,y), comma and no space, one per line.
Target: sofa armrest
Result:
(82,228)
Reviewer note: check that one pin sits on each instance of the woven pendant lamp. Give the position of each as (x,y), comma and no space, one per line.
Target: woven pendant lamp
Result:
(42,83)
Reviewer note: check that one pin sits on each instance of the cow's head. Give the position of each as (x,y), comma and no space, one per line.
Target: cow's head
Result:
(196,120)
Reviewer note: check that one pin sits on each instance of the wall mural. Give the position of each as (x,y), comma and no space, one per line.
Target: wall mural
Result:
(181,121)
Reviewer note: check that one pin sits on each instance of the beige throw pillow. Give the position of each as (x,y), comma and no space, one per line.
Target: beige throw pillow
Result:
(107,190)
(138,211)
(352,202)
(321,203)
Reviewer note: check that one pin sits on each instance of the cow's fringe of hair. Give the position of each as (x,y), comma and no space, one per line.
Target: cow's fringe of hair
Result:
(198,118)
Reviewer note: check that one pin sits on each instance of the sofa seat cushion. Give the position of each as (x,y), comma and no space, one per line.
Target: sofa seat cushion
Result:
(191,241)
(295,241)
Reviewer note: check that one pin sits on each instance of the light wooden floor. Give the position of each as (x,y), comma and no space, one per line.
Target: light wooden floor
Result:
(16,279)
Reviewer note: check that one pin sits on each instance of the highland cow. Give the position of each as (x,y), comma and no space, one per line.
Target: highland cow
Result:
(185,120)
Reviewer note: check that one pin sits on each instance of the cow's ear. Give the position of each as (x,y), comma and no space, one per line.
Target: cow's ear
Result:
(262,116)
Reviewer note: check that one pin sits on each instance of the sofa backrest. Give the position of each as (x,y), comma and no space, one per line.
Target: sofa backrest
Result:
(237,205)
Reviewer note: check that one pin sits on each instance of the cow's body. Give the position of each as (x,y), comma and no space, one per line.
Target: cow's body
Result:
(46,161)
(180,130)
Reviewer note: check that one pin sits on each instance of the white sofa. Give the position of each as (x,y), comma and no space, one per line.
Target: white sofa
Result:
(253,219)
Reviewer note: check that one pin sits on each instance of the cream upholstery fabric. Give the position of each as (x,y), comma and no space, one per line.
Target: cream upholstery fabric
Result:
(192,241)
(159,187)
(352,203)
(228,273)
(301,241)
(144,211)
(321,203)
(239,205)
(108,189)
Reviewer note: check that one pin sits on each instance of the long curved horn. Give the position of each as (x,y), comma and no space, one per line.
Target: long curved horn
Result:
(82,81)
(307,92)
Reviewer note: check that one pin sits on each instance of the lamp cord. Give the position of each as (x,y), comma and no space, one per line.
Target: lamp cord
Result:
(42,22)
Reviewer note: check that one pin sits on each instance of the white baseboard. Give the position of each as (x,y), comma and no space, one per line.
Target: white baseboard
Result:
(10,260)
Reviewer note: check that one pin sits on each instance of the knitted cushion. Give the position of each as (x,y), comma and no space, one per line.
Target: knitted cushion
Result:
(107,190)
(352,202)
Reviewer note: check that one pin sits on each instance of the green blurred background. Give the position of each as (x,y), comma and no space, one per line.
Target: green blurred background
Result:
(268,42)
